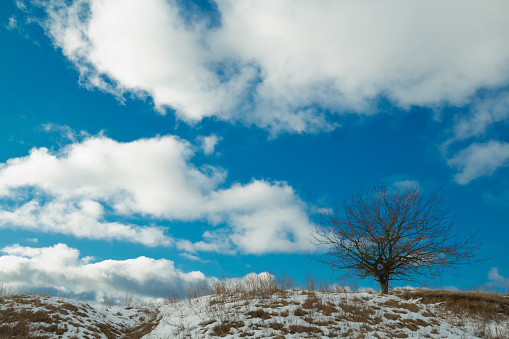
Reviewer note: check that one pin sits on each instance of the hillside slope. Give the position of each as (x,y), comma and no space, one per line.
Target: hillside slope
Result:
(261,313)
(28,316)
(313,314)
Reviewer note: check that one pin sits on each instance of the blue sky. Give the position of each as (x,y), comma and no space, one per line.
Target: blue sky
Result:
(145,144)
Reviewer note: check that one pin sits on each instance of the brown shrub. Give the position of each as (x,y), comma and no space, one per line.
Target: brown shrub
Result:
(392,316)
(224,328)
(311,300)
(479,303)
(277,326)
(396,304)
(284,314)
(327,309)
(260,313)
(304,329)
(299,312)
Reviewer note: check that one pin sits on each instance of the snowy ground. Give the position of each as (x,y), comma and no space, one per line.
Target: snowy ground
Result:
(277,314)
(303,314)
(28,316)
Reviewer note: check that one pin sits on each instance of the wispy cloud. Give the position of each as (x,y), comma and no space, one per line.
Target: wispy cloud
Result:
(84,187)
(401,181)
(483,114)
(208,143)
(65,131)
(21,5)
(479,159)
(193,257)
(13,23)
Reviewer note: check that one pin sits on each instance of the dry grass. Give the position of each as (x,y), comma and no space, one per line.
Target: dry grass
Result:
(323,313)
(477,303)
(487,312)
(304,329)
(399,305)
(27,316)
(259,313)
(225,328)
(268,305)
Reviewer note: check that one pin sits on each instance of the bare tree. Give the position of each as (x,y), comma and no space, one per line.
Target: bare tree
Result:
(393,233)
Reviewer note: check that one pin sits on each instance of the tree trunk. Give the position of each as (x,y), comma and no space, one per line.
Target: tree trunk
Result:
(384,283)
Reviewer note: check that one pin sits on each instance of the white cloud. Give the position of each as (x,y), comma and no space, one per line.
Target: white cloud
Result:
(81,219)
(59,267)
(82,188)
(276,64)
(194,258)
(21,5)
(65,131)
(214,242)
(145,47)
(13,23)
(209,143)
(406,184)
(498,280)
(484,113)
(479,159)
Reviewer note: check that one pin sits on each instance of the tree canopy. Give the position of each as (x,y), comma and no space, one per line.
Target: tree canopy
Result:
(393,233)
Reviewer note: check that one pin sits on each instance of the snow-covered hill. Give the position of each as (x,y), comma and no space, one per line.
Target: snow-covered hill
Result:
(262,313)
(313,314)
(28,316)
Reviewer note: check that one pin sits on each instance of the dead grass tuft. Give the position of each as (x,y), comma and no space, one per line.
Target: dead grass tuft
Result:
(392,316)
(310,301)
(326,309)
(396,304)
(299,312)
(260,313)
(278,327)
(304,329)
(477,303)
(224,328)
(18,330)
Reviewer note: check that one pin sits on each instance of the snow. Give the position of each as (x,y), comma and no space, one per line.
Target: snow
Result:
(197,318)
(252,313)
(73,318)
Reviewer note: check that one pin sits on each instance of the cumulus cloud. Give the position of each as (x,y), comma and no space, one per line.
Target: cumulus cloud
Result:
(84,188)
(60,268)
(280,64)
(81,219)
(479,159)
(145,47)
